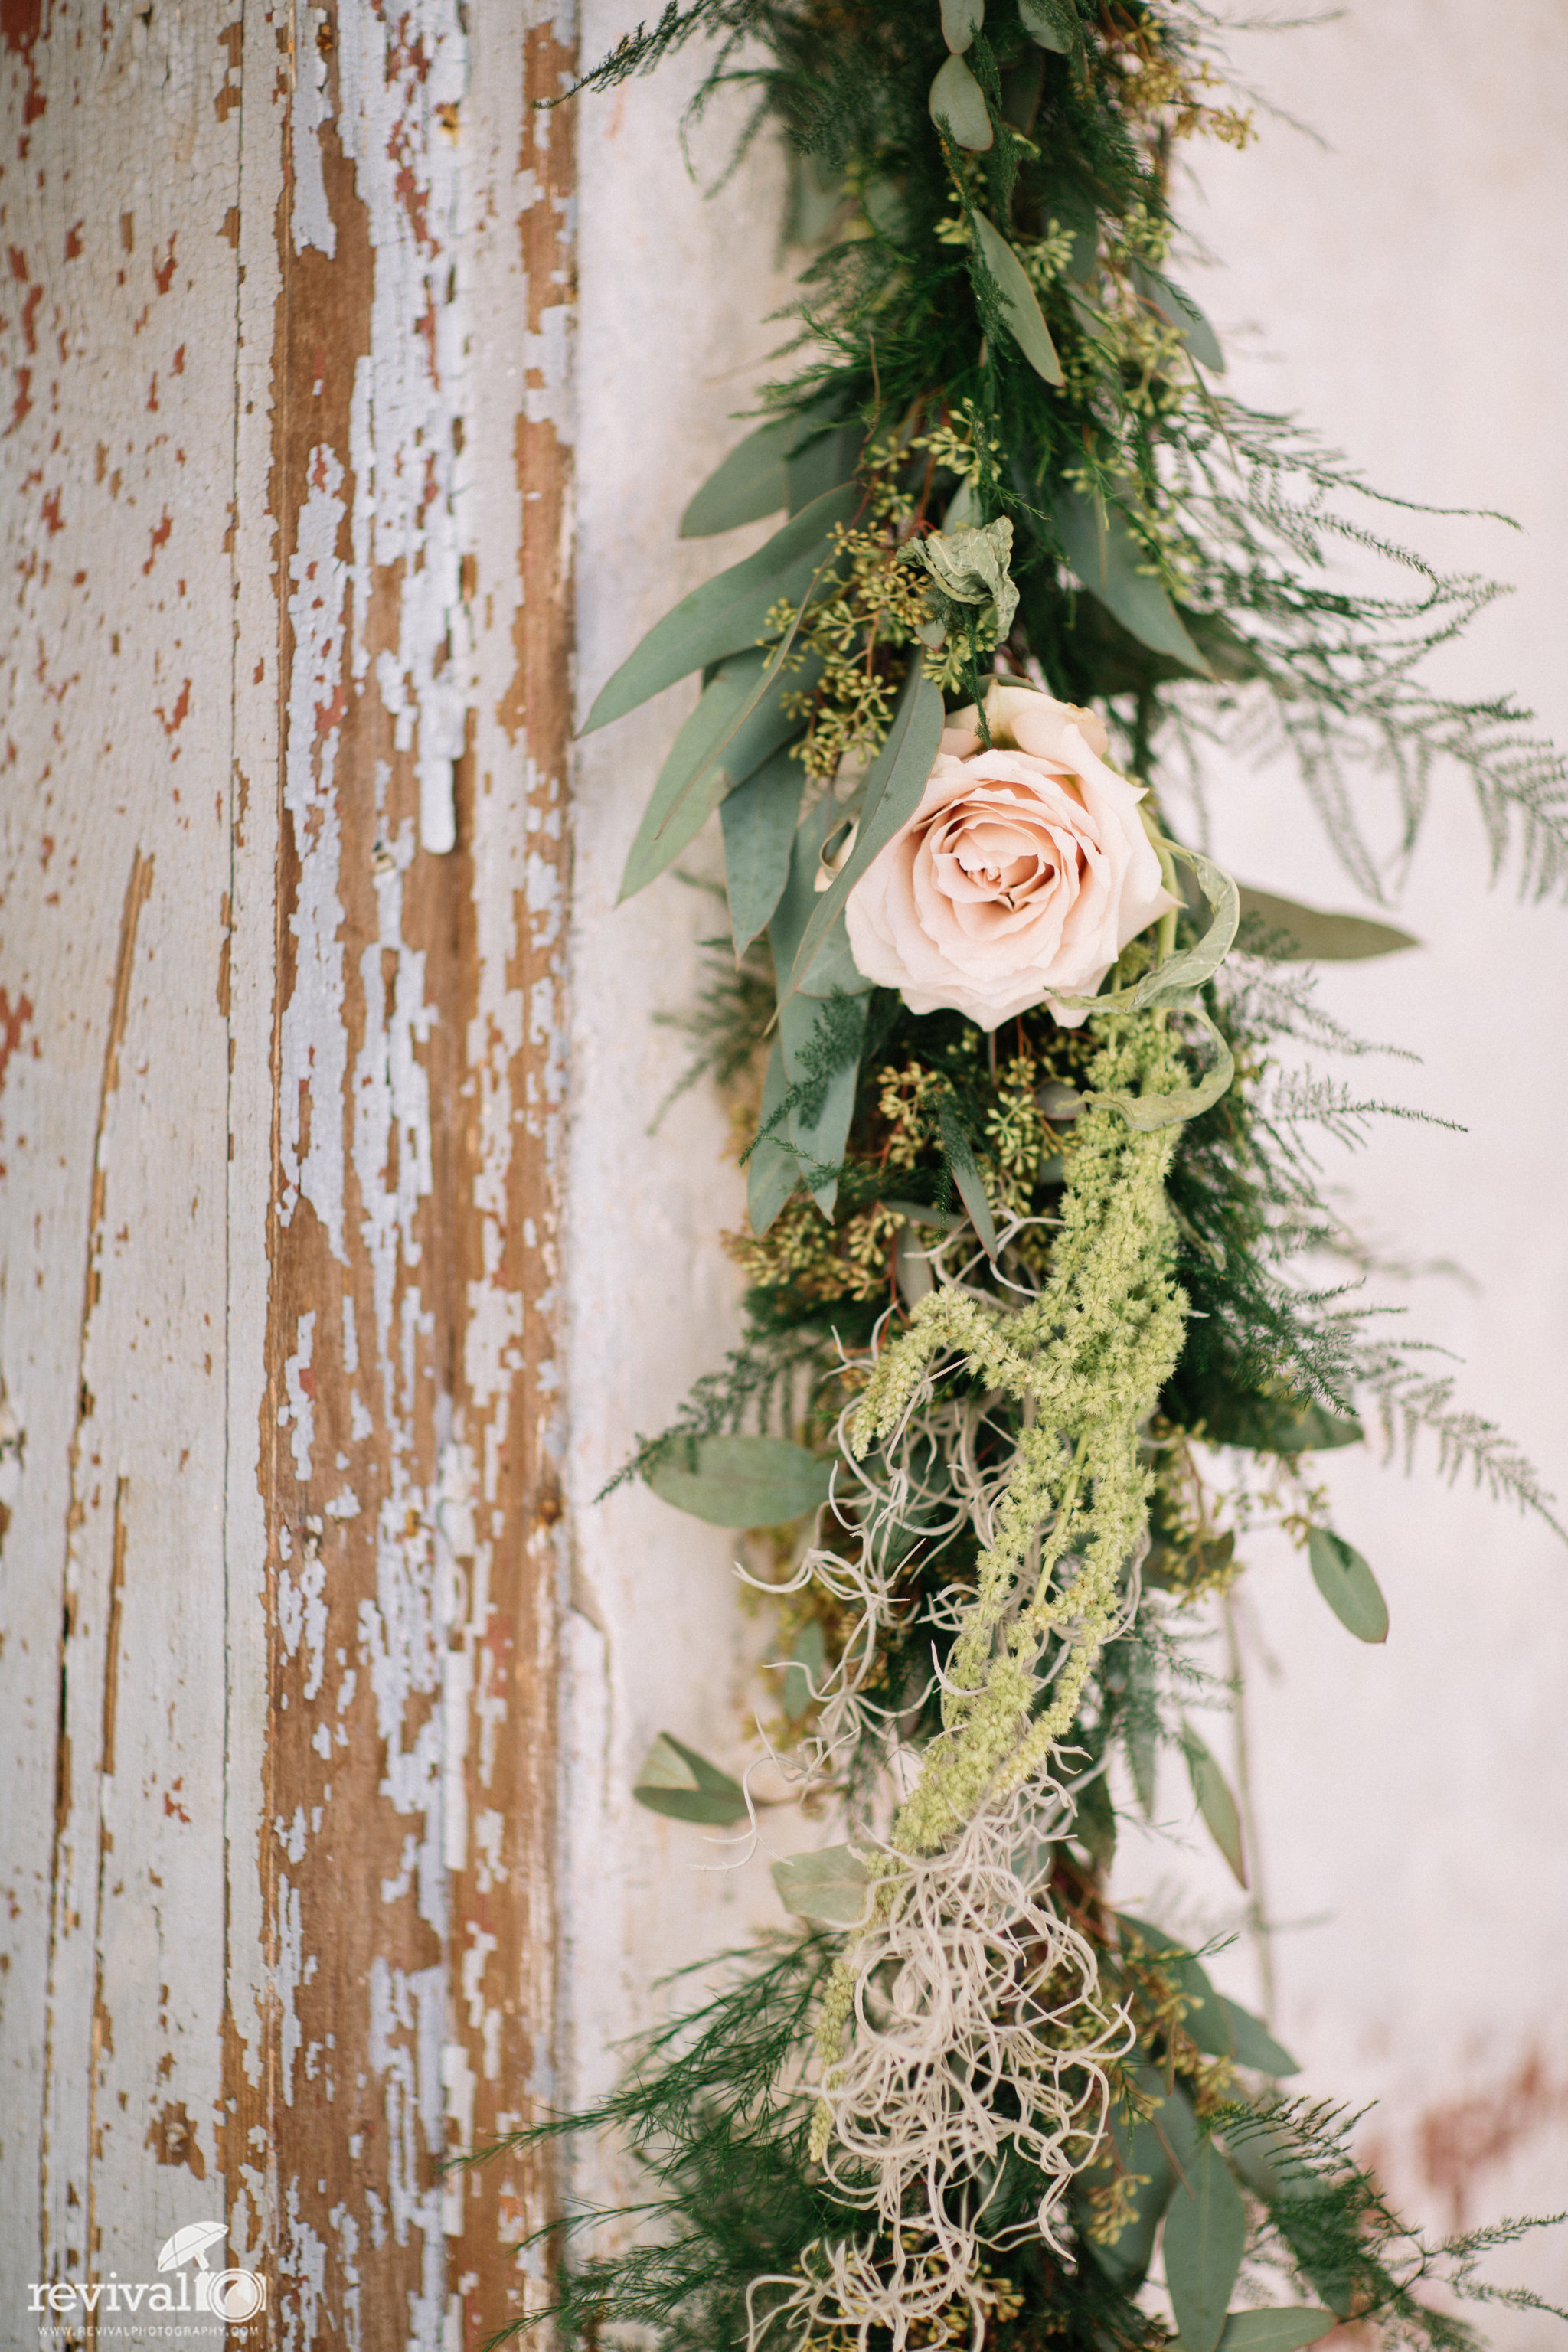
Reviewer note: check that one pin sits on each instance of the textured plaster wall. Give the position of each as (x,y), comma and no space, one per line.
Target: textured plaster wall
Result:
(1401,285)
(673,295)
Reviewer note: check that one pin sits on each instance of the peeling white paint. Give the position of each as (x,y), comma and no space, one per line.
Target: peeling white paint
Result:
(288,1976)
(549,361)
(301,1408)
(302,1614)
(395,78)
(314,1045)
(407,2012)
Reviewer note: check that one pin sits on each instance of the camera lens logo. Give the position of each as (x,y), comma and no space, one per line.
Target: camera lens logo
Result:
(229,2294)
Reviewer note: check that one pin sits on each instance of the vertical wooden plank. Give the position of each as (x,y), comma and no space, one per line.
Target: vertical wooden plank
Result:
(508,1431)
(116,460)
(397,1871)
(284,853)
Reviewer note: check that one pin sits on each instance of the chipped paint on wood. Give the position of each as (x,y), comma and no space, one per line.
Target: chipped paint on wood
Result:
(286,854)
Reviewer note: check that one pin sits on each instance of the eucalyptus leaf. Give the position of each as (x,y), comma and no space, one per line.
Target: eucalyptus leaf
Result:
(741,1482)
(961,20)
(1204,2239)
(1282,1424)
(830,1888)
(891,793)
(1143,2151)
(1203,2019)
(1258,2155)
(740,722)
(676,1782)
(1094,1822)
(1216,1804)
(818,1140)
(759,818)
(1172,1567)
(815,200)
(966,1175)
(1288,933)
(886,207)
(1285,2328)
(958,105)
(832,965)
(1221,2027)
(834,968)
(1048,23)
(1191,967)
(803,1676)
(1252,2044)
(729,613)
(1180,310)
(912,1267)
(1347,1585)
(1173,2121)
(1111,563)
(1141,1741)
(964,511)
(749,484)
(1020,304)
(773,1172)
(825,454)
(691,782)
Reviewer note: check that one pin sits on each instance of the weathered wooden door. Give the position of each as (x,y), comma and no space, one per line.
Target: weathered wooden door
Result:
(286,642)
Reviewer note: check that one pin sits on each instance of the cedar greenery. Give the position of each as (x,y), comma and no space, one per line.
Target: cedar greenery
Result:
(1017,1288)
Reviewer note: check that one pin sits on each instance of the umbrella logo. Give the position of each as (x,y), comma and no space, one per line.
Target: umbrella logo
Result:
(231,2295)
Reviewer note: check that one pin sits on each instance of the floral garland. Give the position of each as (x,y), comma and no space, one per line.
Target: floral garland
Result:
(1026,1187)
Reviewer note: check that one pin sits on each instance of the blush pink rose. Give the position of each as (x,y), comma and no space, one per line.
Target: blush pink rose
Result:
(1020,878)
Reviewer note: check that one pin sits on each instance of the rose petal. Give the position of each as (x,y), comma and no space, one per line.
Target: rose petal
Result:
(1019,878)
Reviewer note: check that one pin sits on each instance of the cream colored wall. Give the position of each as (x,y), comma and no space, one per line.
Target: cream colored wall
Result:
(1410,300)
(673,293)
(1413,1801)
